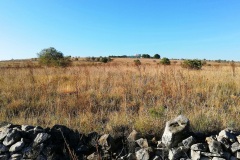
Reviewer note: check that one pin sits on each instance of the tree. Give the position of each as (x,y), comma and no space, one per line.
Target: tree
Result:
(51,57)
(146,56)
(165,61)
(156,56)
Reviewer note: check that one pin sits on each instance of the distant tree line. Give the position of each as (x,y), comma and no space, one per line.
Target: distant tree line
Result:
(222,61)
(52,57)
(123,56)
(99,59)
(156,56)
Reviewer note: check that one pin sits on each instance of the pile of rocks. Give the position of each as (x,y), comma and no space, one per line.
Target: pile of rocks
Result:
(59,142)
(182,144)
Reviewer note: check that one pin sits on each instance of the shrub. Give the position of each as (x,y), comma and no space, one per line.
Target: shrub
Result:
(156,56)
(105,59)
(146,56)
(52,57)
(137,62)
(99,59)
(165,61)
(192,64)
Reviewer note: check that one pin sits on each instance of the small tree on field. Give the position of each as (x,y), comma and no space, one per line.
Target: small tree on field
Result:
(156,56)
(192,64)
(52,57)
(165,61)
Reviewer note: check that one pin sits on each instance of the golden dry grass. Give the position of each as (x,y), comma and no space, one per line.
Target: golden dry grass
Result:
(100,97)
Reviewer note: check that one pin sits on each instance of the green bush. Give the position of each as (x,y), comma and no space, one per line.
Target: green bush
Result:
(157,56)
(165,61)
(52,57)
(192,64)
(105,59)
(137,62)
(146,56)
(99,59)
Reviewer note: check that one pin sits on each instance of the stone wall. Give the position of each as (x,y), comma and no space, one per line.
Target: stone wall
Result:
(61,143)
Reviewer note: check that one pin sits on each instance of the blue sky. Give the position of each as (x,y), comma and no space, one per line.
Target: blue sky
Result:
(172,28)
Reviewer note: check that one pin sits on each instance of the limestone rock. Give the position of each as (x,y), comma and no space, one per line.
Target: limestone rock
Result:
(133,136)
(188,142)
(17,146)
(162,152)
(93,156)
(176,153)
(218,158)
(3,132)
(175,131)
(214,146)
(235,147)
(26,127)
(226,133)
(238,155)
(199,147)
(142,154)
(12,137)
(224,141)
(106,142)
(50,143)
(41,137)
(195,155)
(16,156)
(157,158)
(238,138)
(5,125)
(142,143)
(160,144)
(208,154)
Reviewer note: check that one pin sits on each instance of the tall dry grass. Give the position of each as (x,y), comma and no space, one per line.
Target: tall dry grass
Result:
(102,97)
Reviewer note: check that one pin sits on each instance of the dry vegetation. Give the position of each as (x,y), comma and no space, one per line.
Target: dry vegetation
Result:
(100,97)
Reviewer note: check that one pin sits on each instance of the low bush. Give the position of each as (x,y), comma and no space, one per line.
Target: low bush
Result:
(192,64)
(165,61)
(137,62)
(99,59)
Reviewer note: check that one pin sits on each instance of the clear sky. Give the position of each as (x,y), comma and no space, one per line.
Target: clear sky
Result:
(172,28)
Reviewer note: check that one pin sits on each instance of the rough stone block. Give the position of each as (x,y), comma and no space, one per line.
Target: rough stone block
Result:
(175,131)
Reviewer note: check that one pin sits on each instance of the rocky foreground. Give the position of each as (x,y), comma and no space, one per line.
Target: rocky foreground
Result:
(59,142)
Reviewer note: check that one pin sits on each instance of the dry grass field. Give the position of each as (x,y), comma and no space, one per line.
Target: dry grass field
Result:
(101,97)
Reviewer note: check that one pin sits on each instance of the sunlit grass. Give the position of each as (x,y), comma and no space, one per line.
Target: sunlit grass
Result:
(102,96)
